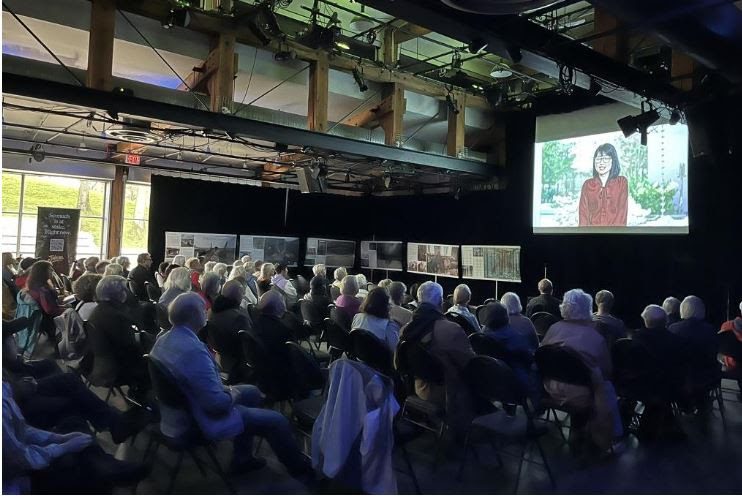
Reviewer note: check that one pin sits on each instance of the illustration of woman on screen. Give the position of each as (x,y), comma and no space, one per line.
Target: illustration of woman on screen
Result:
(604,198)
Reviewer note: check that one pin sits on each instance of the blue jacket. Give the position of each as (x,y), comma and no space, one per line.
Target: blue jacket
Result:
(195,371)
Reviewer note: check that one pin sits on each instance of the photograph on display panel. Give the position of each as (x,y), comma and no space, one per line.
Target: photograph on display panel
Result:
(213,247)
(496,263)
(332,253)
(384,255)
(274,249)
(433,258)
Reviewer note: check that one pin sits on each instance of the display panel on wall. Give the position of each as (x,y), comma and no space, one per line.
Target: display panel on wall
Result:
(497,263)
(433,258)
(215,247)
(385,255)
(332,253)
(273,249)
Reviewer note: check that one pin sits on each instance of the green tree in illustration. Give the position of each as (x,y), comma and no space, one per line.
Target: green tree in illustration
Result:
(635,167)
(557,158)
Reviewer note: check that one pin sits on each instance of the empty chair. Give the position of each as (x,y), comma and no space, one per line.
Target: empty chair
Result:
(542,321)
(337,338)
(308,377)
(462,322)
(270,376)
(367,348)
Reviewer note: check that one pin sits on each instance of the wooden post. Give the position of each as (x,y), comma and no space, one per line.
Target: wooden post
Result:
(319,78)
(390,48)
(116,219)
(221,83)
(455,140)
(100,44)
(392,122)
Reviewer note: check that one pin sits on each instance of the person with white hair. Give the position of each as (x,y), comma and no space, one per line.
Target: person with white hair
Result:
(671,305)
(114,270)
(545,302)
(319,270)
(177,282)
(124,262)
(577,332)
(221,270)
(238,262)
(397,313)
(348,302)
(656,338)
(607,324)
(461,299)
(448,342)
(179,260)
(339,274)
(209,266)
(117,352)
(245,259)
(250,280)
(219,411)
(241,275)
(520,323)
(362,286)
(701,344)
(385,284)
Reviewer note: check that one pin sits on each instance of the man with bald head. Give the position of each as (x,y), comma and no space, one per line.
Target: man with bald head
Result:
(221,412)
(545,302)
(226,319)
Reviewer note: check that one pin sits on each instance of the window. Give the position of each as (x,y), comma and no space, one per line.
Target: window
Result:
(136,220)
(24,193)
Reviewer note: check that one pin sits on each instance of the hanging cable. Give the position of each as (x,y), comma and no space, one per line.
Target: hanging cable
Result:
(277,85)
(352,111)
(427,122)
(249,81)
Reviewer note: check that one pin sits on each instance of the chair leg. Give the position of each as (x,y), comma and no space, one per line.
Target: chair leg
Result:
(520,468)
(219,470)
(460,475)
(546,463)
(174,472)
(559,425)
(198,462)
(722,410)
(406,458)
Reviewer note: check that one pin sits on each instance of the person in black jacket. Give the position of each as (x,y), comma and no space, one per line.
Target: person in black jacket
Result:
(141,274)
(545,302)
(226,319)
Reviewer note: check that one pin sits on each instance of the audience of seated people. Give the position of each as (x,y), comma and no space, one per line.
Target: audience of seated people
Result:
(545,302)
(522,324)
(373,316)
(461,299)
(397,313)
(608,325)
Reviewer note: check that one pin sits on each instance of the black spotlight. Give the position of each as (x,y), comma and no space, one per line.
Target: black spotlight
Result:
(37,153)
(639,123)
(358,77)
(476,46)
(177,17)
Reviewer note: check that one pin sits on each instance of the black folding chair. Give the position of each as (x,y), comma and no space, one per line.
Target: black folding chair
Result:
(492,380)
(168,393)
(370,350)
(542,321)
(163,320)
(308,377)
(486,346)
(337,338)
(340,317)
(731,347)
(313,318)
(479,313)
(462,322)
(273,380)
(153,291)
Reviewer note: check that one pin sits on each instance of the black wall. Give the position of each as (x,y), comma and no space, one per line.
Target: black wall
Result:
(639,269)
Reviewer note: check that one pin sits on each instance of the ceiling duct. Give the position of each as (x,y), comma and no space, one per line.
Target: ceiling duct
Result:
(132,130)
(498,7)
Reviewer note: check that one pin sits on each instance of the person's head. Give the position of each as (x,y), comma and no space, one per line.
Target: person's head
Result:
(111,289)
(84,287)
(430,293)
(654,316)
(144,260)
(194,264)
(78,265)
(113,270)
(496,316)
(238,272)
(319,270)
(26,263)
(376,303)
(318,285)
(188,310)
(267,271)
(511,301)
(249,266)
(179,260)
(221,269)
(39,274)
(272,303)
(245,259)
(209,266)
(462,295)
(671,305)
(397,289)
(692,307)
(576,305)
(124,262)
(259,266)
(362,281)
(385,284)
(234,291)
(349,285)
(90,264)
(340,273)
(8,260)
(283,270)
(210,283)
(237,263)
(605,161)
(101,266)
(179,278)
(604,301)
(162,267)
(545,287)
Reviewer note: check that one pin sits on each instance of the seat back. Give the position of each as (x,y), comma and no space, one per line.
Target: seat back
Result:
(487,346)
(415,361)
(461,321)
(306,372)
(153,291)
(542,321)
(272,380)
(163,320)
(252,311)
(301,285)
(165,388)
(310,313)
(340,317)
(135,288)
(562,364)
(336,336)
(635,369)
(334,292)
(492,380)
(367,348)
(479,313)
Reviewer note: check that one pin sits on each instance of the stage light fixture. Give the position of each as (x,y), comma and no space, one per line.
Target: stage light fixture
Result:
(638,123)
(501,71)
(342,45)
(177,17)
(360,80)
(37,153)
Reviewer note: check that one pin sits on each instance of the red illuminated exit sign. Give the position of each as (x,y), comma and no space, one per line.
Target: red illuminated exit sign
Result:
(133,159)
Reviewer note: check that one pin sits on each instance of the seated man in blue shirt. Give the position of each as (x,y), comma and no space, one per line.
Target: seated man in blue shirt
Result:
(220,412)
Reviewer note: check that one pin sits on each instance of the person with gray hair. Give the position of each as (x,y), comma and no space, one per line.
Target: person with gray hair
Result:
(701,344)
(179,260)
(221,270)
(124,262)
(177,282)
(339,274)
(117,350)
(461,299)
(385,284)
(90,264)
(397,313)
(609,326)
(209,266)
(577,333)
(210,285)
(520,323)
(545,302)
(671,305)
(348,303)
(448,342)
(241,275)
(362,286)
(219,411)
(114,270)
(319,270)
